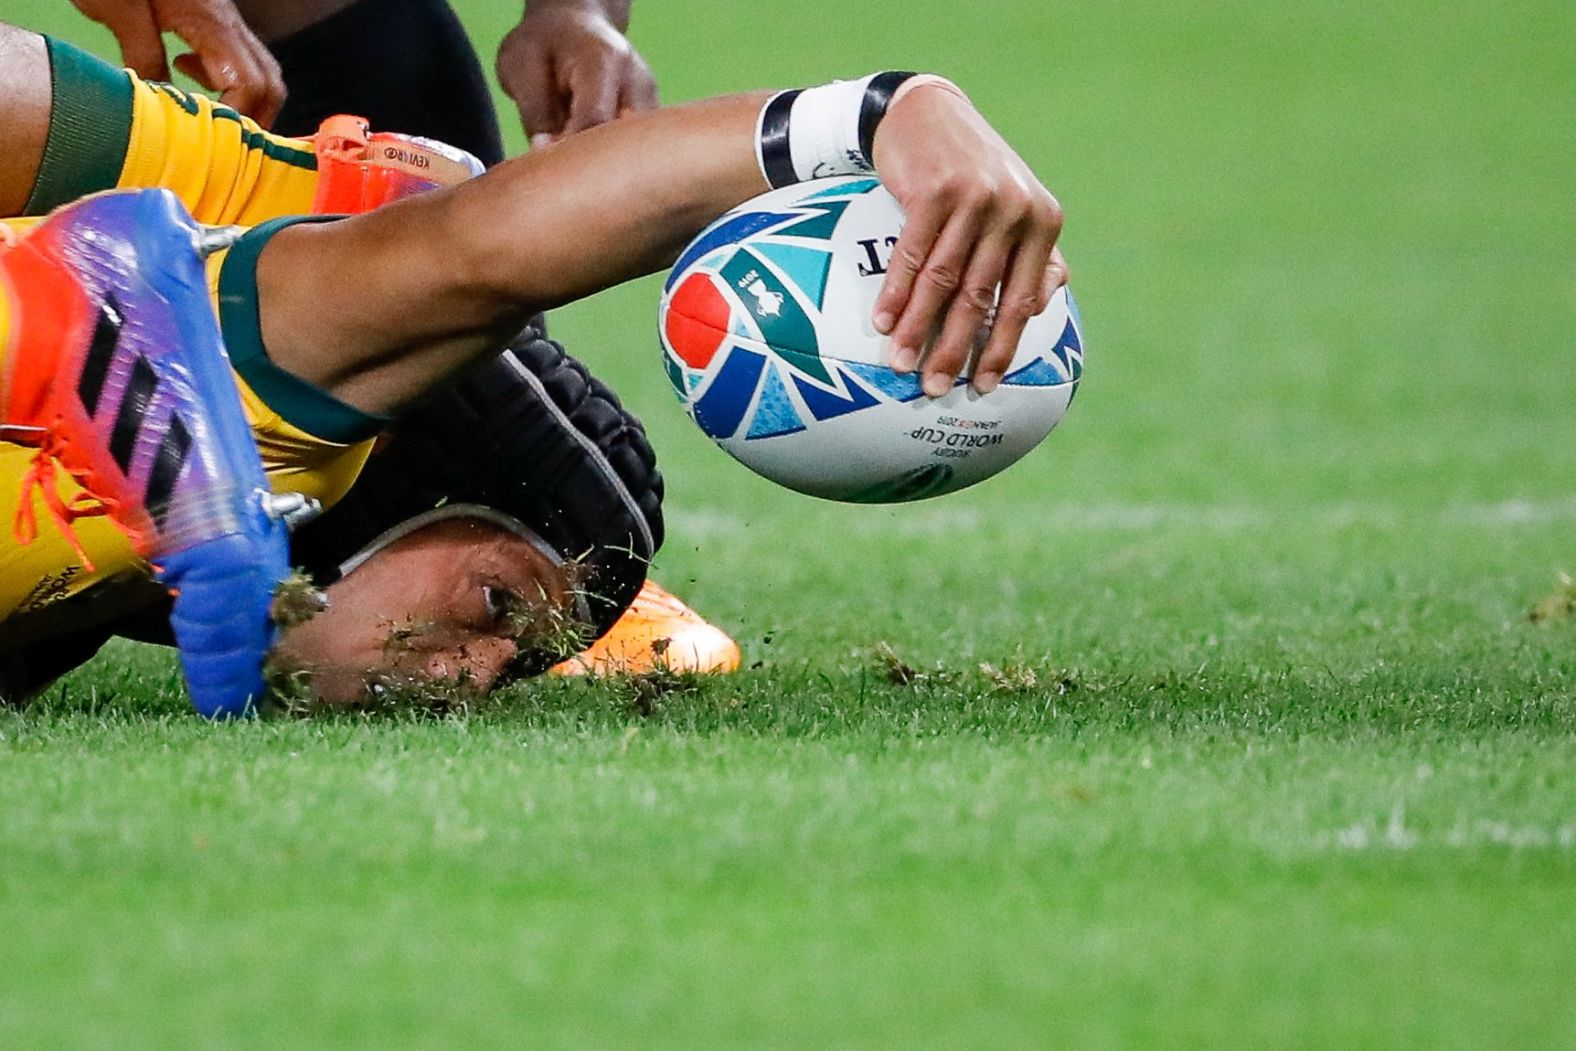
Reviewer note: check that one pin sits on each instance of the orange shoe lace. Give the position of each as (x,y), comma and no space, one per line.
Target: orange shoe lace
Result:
(42,476)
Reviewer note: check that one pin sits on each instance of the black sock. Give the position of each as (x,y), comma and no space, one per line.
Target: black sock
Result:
(404,65)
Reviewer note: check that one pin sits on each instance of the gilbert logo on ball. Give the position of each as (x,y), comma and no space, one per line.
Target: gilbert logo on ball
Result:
(767,338)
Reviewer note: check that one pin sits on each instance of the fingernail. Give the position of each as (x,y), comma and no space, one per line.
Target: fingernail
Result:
(904,359)
(541,139)
(937,384)
(884,322)
(985,382)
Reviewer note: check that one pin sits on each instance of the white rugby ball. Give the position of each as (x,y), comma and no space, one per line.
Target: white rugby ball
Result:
(767,338)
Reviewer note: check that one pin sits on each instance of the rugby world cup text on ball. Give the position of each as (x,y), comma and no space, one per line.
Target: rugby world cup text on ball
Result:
(957,444)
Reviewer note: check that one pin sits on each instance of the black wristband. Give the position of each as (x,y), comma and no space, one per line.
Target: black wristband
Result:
(836,130)
(776,156)
(878,96)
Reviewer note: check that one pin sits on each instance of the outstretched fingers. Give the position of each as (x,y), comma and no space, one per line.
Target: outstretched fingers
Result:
(226,56)
(970,270)
(248,82)
(1026,288)
(1056,274)
(928,276)
(913,247)
(967,315)
(977,258)
(136,30)
(593,92)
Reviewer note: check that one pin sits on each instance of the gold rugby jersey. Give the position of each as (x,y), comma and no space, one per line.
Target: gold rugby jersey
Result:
(111,130)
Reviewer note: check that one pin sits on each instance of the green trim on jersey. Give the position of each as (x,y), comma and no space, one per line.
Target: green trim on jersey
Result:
(89,128)
(252,139)
(302,404)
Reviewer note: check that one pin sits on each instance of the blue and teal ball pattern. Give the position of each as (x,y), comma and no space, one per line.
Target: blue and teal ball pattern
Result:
(750,289)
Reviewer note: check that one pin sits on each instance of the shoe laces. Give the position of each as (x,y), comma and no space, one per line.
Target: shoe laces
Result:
(42,478)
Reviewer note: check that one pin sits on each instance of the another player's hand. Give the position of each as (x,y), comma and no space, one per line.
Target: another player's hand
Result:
(569,68)
(226,57)
(978,222)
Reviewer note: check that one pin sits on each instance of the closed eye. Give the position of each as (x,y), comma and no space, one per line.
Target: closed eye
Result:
(500,603)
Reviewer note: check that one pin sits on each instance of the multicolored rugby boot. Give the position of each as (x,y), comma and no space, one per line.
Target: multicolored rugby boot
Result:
(359,169)
(116,372)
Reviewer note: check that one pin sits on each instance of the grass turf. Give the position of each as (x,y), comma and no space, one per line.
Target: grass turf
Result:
(1296,770)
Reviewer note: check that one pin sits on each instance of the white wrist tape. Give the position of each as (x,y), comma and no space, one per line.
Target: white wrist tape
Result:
(824,130)
(819,132)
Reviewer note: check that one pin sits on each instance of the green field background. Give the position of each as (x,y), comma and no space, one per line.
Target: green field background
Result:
(1294,769)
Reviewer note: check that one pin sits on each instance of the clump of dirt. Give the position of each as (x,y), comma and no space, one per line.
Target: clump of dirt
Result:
(402,639)
(545,626)
(291,695)
(289,690)
(1559,605)
(296,600)
(1011,677)
(392,694)
(643,692)
(898,672)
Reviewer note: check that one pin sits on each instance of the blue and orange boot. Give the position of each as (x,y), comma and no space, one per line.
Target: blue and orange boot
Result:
(117,374)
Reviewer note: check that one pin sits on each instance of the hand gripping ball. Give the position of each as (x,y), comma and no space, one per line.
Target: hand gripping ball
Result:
(767,338)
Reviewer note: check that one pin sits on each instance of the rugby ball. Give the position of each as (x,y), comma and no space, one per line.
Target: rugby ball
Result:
(767,338)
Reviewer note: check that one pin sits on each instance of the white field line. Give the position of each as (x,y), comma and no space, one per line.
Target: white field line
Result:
(1395,835)
(701,523)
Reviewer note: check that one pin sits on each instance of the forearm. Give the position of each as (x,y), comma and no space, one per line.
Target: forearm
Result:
(442,279)
(615,11)
(613,203)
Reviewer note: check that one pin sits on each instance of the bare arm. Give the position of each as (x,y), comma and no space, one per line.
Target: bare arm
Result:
(444,278)
(24,114)
(434,282)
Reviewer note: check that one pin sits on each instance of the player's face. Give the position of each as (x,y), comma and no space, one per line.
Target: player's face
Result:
(448,602)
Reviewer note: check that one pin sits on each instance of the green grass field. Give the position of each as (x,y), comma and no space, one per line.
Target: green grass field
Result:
(1294,770)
